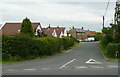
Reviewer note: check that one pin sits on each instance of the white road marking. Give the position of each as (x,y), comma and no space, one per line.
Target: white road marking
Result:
(67,63)
(68,51)
(97,67)
(113,66)
(80,67)
(29,69)
(10,69)
(92,61)
(45,68)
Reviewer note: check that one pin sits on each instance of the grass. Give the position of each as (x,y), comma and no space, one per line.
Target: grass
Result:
(22,60)
(16,61)
(108,58)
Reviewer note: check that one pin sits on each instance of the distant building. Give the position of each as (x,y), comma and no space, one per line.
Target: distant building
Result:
(14,28)
(55,31)
(78,33)
(89,33)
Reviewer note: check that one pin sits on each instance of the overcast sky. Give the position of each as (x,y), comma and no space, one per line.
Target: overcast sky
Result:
(67,14)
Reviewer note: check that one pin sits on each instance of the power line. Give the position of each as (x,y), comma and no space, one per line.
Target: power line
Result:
(107,7)
(105,12)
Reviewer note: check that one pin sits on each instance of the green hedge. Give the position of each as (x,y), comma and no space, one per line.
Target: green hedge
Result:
(67,42)
(112,48)
(106,39)
(22,47)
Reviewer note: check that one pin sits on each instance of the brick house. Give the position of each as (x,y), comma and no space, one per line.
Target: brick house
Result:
(78,33)
(14,28)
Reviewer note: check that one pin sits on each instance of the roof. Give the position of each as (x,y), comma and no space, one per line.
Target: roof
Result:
(68,31)
(89,32)
(12,28)
(79,30)
(49,30)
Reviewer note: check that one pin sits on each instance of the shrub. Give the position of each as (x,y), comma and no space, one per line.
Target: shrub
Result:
(106,39)
(112,48)
(97,36)
(67,42)
(22,47)
(25,47)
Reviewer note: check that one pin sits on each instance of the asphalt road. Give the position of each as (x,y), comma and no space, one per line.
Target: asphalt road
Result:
(72,62)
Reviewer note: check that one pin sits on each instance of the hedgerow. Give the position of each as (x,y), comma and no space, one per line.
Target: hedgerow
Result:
(112,48)
(22,47)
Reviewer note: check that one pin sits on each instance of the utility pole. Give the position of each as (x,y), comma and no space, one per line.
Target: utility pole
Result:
(105,12)
(117,13)
(103,21)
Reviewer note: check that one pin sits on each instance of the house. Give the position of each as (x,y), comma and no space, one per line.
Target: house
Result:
(68,33)
(90,33)
(78,33)
(55,31)
(14,28)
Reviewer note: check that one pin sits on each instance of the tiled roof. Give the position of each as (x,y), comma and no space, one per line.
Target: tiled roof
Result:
(79,30)
(13,28)
(87,32)
(49,30)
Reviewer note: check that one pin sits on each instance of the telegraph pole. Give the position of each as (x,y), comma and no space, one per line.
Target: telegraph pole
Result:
(103,21)
(105,13)
(117,13)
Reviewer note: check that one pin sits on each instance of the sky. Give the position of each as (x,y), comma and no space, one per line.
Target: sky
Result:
(87,14)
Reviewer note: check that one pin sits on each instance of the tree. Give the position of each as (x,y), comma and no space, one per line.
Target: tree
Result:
(98,36)
(27,28)
(116,32)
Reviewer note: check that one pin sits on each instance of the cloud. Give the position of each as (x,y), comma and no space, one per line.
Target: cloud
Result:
(57,0)
(58,13)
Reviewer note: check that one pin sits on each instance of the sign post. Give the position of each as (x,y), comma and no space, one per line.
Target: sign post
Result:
(116,54)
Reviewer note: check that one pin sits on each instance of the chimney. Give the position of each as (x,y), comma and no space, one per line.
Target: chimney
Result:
(82,28)
(49,26)
(73,27)
(57,26)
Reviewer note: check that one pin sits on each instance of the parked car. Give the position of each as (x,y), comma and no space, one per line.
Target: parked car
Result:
(91,39)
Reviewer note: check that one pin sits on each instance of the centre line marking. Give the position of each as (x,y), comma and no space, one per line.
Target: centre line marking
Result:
(67,63)
(29,69)
(10,69)
(45,68)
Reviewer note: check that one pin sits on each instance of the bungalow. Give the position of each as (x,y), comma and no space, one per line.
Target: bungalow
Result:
(14,28)
(55,31)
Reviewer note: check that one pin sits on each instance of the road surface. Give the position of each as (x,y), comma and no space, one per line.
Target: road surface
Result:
(84,59)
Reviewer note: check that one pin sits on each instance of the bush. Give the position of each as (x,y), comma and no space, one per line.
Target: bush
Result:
(112,48)
(106,39)
(97,36)
(22,47)
(67,42)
